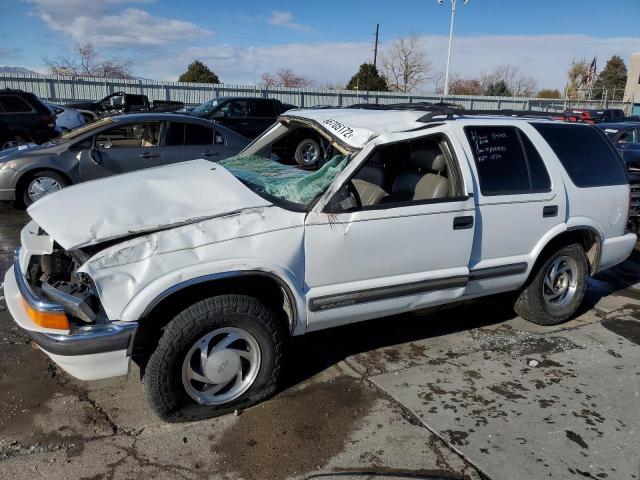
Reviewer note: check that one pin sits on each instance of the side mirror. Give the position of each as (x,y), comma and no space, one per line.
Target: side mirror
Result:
(342,201)
(95,157)
(219,114)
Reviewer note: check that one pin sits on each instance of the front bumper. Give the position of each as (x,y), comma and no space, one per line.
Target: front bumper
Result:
(88,353)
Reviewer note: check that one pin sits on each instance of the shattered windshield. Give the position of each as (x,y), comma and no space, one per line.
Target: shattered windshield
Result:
(284,182)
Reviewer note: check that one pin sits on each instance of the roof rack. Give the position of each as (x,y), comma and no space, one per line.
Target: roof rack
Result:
(450,113)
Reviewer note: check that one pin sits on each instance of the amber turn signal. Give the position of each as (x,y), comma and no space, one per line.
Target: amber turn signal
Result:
(56,320)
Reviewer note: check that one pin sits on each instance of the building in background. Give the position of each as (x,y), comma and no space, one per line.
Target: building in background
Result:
(632,89)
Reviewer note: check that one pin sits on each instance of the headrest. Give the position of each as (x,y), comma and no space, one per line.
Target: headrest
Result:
(429,159)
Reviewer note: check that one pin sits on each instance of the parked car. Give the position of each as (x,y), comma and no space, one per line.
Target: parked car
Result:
(24,118)
(66,118)
(593,115)
(110,146)
(122,102)
(201,273)
(248,116)
(626,137)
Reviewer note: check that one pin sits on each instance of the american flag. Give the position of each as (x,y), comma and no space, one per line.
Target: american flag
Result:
(592,72)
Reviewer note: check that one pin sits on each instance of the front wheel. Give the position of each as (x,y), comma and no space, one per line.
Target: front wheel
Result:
(556,289)
(39,184)
(221,354)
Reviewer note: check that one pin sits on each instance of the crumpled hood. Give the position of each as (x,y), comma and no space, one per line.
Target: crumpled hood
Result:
(141,201)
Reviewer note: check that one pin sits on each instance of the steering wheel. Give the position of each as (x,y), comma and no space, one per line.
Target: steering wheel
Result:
(351,188)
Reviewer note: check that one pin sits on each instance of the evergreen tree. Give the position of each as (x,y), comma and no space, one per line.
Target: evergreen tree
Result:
(611,79)
(498,89)
(198,72)
(368,78)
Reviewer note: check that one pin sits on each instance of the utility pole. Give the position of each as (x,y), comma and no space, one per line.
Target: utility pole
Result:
(453,14)
(375,49)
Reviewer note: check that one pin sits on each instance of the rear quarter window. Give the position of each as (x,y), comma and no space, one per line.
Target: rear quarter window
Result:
(585,153)
(14,104)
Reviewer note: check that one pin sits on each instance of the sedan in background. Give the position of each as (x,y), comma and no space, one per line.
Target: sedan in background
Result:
(108,147)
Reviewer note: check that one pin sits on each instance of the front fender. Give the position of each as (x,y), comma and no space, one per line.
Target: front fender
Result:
(153,292)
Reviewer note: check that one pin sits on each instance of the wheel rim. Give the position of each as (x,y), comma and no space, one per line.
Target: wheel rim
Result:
(41,186)
(560,282)
(309,153)
(221,366)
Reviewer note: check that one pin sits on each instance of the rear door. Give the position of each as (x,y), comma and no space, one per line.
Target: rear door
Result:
(519,201)
(122,148)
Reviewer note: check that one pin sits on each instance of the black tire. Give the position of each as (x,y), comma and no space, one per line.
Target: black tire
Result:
(303,151)
(163,374)
(22,194)
(531,303)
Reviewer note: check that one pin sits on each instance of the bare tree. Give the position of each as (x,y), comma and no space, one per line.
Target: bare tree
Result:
(405,64)
(285,77)
(437,80)
(520,85)
(87,62)
(577,74)
(466,86)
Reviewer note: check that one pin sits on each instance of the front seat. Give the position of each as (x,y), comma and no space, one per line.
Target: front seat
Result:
(427,179)
(368,182)
(150,136)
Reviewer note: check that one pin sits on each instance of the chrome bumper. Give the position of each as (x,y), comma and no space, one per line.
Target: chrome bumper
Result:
(87,352)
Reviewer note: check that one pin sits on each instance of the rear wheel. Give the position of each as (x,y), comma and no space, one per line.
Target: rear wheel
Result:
(220,354)
(40,184)
(556,289)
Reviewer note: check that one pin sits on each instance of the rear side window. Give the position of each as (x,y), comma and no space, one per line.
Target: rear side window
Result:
(13,104)
(261,108)
(585,153)
(507,162)
(198,134)
(175,134)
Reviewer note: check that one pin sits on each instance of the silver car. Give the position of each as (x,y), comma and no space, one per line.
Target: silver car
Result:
(110,146)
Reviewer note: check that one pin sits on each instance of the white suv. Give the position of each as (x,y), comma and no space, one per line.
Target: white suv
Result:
(200,272)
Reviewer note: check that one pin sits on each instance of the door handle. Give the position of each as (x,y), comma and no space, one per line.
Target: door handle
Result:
(550,211)
(149,155)
(460,223)
(209,154)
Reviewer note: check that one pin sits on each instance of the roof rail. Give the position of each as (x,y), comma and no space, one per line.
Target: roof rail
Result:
(435,112)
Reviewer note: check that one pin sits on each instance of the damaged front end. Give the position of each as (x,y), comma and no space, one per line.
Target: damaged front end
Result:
(59,308)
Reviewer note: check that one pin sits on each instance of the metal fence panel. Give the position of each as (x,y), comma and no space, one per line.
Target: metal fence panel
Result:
(59,89)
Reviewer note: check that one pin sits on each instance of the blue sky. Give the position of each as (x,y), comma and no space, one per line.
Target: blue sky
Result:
(325,40)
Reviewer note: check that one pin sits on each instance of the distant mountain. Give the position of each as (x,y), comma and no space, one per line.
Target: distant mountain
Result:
(7,69)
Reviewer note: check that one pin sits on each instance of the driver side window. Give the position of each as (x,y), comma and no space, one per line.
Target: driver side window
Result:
(409,172)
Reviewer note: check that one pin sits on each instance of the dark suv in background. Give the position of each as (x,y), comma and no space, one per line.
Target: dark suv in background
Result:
(248,116)
(24,118)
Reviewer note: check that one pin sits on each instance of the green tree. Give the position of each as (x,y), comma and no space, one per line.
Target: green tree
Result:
(498,89)
(549,93)
(368,78)
(611,79)
(198,72)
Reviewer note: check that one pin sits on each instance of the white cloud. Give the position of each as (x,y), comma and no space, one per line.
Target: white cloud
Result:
(546,57)
(286,20)
(129,28)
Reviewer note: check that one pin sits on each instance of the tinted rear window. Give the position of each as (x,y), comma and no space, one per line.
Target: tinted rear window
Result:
(586,154)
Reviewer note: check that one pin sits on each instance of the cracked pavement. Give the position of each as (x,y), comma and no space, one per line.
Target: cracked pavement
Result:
(348,409)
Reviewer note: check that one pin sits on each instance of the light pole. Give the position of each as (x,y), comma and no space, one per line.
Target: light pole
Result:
(453,14)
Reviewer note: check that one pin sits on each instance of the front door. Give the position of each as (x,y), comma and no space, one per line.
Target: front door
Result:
(397,236)
(122,148)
